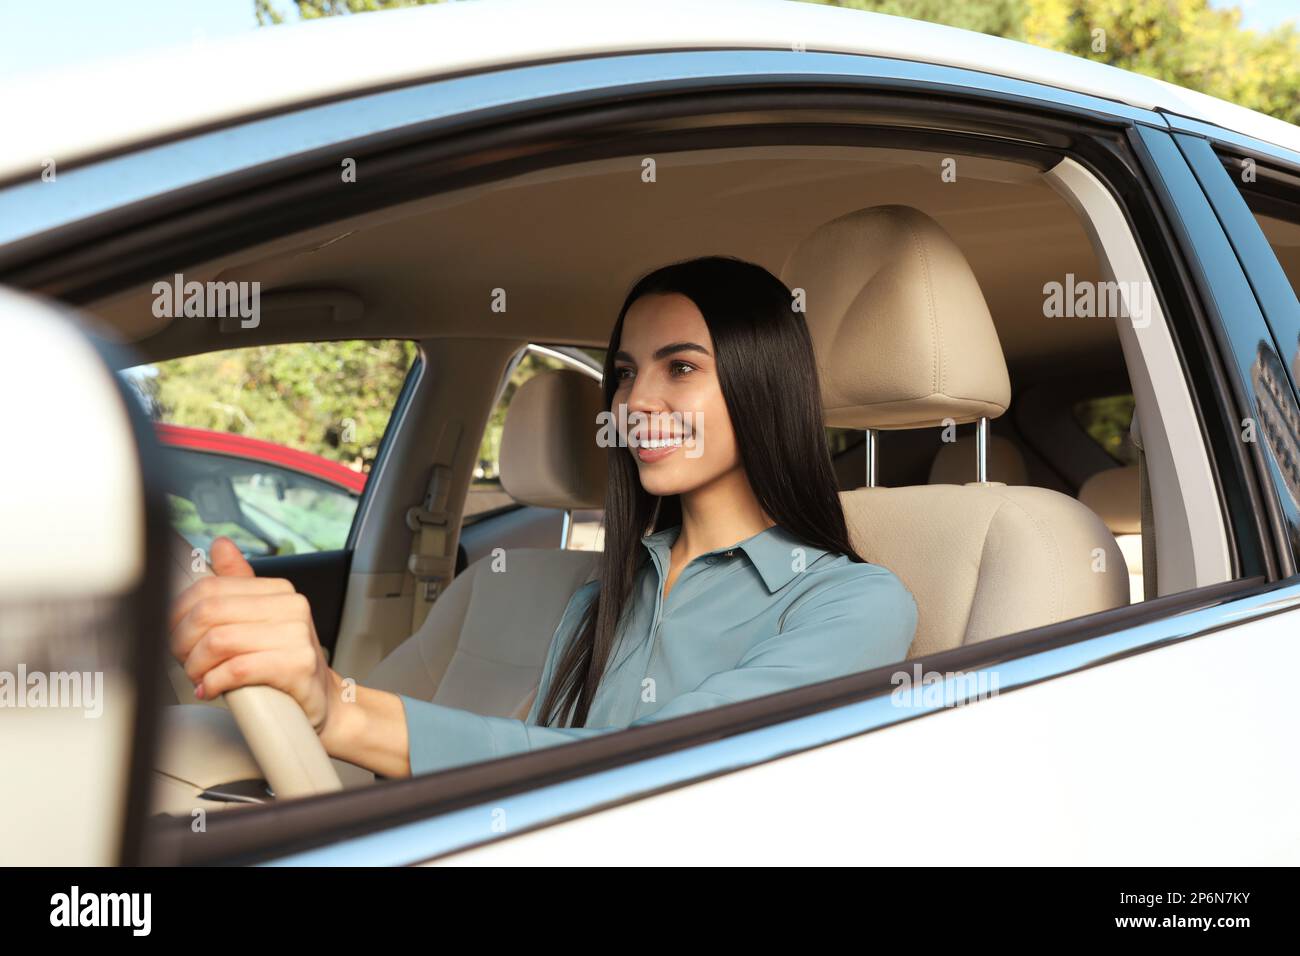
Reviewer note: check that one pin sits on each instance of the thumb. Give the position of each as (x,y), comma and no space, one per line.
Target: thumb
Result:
(227,559)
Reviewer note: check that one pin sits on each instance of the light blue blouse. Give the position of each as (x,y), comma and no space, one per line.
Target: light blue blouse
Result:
(765,615)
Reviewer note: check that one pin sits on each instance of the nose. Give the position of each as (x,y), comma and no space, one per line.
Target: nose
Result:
(645,394)
(646,408)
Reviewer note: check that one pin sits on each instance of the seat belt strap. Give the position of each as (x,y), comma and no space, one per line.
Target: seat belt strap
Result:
(433,561)
(1150,583)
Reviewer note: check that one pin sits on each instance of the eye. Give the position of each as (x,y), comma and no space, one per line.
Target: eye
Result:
(618,373)
(675,365)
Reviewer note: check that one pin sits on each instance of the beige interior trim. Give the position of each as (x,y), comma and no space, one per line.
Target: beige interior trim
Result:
(426,269)
(1190,537)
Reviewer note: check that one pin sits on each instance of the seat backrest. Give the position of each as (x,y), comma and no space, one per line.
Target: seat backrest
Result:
(483,644)
(987,560)
(904,339)
(1115,494)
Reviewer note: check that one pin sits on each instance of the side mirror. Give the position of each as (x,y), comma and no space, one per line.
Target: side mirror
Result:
(80,626)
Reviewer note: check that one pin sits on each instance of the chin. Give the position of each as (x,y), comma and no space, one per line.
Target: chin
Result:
(661,482)
(662,487)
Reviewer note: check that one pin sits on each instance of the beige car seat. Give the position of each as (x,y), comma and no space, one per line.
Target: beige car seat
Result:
(483,643)
(903,339)
(1115,495)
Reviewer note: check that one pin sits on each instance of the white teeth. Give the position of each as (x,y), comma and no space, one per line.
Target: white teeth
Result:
(659,442)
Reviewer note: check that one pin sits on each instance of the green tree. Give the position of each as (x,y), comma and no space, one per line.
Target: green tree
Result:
(1184,42)
(1003,18)
(267,13)
(332,399)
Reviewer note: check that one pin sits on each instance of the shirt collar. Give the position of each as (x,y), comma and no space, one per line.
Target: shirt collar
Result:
(772,551)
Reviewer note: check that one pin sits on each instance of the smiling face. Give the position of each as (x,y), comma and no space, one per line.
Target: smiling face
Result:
(677,430)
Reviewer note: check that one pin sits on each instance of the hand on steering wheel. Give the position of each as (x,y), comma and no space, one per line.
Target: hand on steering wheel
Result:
(253,640)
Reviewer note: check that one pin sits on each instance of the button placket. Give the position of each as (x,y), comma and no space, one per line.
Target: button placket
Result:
(709,559)
(682,578)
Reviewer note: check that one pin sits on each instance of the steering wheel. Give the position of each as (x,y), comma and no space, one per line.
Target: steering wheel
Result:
(278,733)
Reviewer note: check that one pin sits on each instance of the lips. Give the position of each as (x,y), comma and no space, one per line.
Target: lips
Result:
(649,455)
(651,449)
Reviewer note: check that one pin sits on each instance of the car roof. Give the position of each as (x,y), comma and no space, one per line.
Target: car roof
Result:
(112,105)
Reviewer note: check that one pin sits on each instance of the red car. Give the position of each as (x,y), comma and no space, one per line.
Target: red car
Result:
(268,498)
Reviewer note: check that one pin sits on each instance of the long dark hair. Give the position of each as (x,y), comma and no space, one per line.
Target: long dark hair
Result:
(768,377)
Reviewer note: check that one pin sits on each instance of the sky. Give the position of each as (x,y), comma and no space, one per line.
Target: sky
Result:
(47,34)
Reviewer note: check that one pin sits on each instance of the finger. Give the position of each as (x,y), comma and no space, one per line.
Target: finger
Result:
(212,612)
(213,586)
(222,643)
(277,669)
(227,560)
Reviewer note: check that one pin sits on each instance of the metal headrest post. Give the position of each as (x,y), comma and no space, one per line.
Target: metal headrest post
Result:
(566,529)
(982,450)
(871,457)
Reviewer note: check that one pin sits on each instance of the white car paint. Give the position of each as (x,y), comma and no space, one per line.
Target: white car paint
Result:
(75,113)
(92,470)
(1158,759)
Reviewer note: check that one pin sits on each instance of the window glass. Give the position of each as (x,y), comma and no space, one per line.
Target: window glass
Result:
(272,445)
(486,493)
(264,509)
(1107,421)
(840,440)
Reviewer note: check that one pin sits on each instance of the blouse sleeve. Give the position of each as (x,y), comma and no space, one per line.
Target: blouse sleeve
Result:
(854,623)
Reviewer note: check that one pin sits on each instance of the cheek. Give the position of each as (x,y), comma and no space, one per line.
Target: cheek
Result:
(719,437)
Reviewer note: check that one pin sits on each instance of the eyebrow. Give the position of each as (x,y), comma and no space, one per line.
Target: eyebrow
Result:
(666,351)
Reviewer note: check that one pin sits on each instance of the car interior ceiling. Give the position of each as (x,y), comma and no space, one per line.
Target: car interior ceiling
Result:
(424,270)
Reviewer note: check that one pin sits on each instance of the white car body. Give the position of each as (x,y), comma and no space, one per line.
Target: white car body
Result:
(114,104)
(1170,751)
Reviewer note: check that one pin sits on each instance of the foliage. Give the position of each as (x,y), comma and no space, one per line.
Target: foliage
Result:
(1003,18)
(267,14)
(329,398)
(1185,42)
(1107,420)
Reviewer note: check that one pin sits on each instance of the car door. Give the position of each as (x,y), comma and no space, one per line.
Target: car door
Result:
(768,760)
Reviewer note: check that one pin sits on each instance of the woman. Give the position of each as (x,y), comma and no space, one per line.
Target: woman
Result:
(747,584)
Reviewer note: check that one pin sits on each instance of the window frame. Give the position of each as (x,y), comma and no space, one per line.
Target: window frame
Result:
(1208,217)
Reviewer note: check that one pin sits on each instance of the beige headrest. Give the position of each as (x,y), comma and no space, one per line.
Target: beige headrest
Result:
(1115,495)
(902,334)
(955,462)
(549,454)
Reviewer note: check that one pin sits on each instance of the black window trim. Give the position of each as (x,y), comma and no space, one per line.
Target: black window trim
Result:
(1241,334)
